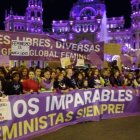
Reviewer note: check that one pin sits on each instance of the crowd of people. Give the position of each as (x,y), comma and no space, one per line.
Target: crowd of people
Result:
(25,80)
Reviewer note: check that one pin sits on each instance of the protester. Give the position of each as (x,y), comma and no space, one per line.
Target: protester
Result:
(14,86)
(63,72)
(59,84)
(1,88)
(105,74)
(38,75)
(30,85)
(79,80)
(53,75)
(47,82)
(2,79)
(24,74)
(138,77)
(116,79)
(69,80)
(95,79)
(64,80)
(85,84)
(130,80)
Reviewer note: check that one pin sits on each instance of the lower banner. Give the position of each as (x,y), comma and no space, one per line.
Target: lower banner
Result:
(32,115)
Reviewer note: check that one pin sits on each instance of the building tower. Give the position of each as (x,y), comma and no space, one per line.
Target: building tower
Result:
(135,24)
(88,11)
(14,22)
(33,16)
(31,22)
(84,21)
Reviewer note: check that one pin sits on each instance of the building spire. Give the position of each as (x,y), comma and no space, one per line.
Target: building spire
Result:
(39,2)
(5,13)
(29,2)
(11,11)
(35,2)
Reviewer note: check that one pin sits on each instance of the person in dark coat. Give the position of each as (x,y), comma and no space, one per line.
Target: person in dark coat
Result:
(116,79)
(14,86)
(69,80)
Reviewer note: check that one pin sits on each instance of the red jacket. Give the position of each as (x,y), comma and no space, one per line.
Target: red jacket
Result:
(30,85)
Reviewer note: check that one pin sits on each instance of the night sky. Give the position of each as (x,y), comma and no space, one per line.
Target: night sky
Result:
(59,9)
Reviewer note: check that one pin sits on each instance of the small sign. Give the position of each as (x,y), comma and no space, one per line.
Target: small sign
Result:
(65,61)
(80,63)
(20,48)
(5,109)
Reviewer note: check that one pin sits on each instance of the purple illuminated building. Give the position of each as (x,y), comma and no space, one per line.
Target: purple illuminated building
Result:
(31,22)
(84,24)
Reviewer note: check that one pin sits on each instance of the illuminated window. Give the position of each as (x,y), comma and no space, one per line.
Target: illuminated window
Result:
(107,25)
(111,25)
(88,0)
(88,12)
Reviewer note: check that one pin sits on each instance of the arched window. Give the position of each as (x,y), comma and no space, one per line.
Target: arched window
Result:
(87,12)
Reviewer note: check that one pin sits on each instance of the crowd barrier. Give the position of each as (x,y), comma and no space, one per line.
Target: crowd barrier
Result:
(26,116)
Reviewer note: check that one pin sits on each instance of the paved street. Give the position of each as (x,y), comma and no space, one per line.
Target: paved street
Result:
(115,129)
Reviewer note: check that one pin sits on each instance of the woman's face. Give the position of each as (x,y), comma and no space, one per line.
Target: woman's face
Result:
(96,72)
(47,74)
(16,78)
(60,77)
(53,75)
(130,76)
(31,75)
(105,73)
(117,73)
(63,72)
(85,83)
(38,72)
(24,72)
(80,77)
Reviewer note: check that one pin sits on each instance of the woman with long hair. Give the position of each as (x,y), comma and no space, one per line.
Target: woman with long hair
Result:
(95,79)
(47,82)
(31,85)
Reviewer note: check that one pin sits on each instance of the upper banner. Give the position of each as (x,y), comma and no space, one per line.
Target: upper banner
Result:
(26,116)
(29,46)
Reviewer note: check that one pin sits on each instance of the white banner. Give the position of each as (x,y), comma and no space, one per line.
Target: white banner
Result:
(65,61)
(20,48)
(80,63)
(5,109)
